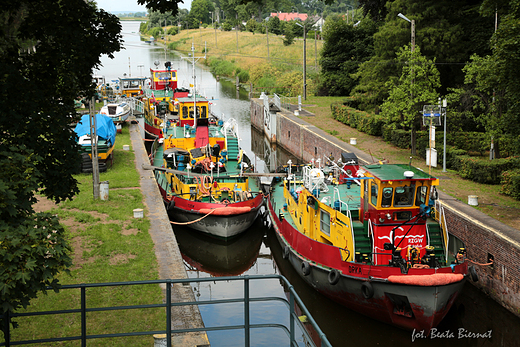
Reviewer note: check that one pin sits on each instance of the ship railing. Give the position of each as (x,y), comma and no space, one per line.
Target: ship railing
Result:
(296,331)
(440,217)
(136,105)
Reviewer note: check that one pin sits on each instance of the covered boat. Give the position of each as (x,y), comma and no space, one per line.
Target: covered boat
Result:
(105,139)
(369,238)
(202,172)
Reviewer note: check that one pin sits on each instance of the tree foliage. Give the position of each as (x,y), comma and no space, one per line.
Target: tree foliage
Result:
(48,50)
(33,249)
(416,87)
(346,47)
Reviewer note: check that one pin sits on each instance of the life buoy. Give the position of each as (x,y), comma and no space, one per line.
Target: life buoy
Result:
(367,290)
(473,273)
(334,276)
(306,268)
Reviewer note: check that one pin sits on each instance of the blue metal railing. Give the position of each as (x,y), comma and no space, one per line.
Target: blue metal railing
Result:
(247,326)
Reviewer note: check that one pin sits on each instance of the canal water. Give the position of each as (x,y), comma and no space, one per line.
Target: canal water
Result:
(473,318)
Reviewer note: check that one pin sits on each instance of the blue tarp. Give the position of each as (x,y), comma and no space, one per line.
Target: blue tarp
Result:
(105,127)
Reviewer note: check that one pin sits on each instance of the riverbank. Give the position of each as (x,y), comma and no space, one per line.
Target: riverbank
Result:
(110,245)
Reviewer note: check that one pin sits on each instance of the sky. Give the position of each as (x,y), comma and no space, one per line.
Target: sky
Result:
(130,5)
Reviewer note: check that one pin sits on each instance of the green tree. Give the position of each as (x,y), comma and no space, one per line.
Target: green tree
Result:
(274,26)
(200,11)
(289,34)
(346,47)
(252,25)
(48,50)
(445,30)
(415,88)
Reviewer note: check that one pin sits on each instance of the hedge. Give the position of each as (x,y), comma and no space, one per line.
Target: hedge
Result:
(484,170)
(505,171)
(363,121)
(511,183)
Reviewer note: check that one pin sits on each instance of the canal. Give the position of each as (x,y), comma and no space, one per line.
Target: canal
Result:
(473,318)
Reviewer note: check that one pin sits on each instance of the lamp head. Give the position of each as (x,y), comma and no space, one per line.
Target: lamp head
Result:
(402,16)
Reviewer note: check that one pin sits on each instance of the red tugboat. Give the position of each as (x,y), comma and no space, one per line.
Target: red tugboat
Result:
(369,238)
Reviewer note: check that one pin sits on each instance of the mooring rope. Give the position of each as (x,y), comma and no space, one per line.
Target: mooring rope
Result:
(194,221)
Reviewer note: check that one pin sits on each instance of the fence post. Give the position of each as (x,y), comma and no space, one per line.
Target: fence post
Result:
(83,316)
(7,328)
(169,313)
(246,311)
(291,316)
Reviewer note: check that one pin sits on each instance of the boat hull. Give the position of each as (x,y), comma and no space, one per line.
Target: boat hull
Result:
(366,289)
(219,220)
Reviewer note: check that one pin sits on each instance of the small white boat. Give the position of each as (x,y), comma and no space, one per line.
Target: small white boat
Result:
(119,112)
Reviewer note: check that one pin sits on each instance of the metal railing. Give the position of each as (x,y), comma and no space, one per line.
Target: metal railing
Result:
(291,303)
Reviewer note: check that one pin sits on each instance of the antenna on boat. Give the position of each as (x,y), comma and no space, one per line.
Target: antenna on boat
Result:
(410,163)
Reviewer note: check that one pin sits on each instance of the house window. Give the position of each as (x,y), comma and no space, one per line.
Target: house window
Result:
(325,222)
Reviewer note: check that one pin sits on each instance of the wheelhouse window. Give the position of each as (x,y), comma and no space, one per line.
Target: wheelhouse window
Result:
(373,193)
(163,75)
(325,222)
(386,200)
(404,195)
(184,112)
(203,112)
(422,195)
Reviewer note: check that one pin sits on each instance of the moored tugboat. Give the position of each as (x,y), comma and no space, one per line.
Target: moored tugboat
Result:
(370,238)
(202,172)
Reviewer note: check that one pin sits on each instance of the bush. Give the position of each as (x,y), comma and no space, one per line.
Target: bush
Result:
(243,76)
(156,32)
(221,67)
(484,170)
(173,31)
(227,26)
(511,183)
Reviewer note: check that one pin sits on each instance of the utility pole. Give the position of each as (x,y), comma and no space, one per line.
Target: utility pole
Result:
(267,36)
(94,151)
(304,63)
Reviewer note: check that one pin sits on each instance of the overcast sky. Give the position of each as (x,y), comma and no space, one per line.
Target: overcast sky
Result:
(130,5)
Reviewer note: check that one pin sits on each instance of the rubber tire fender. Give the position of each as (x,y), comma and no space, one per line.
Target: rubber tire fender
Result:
(367,290)
(473,273)
(306,268)
(286,252)
(334,277)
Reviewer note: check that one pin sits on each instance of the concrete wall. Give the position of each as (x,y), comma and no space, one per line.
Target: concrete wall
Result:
(482,235)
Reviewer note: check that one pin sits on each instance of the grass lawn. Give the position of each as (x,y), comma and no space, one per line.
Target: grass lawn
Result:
(109,245)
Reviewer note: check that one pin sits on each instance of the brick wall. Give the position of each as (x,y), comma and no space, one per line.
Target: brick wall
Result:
(483,240)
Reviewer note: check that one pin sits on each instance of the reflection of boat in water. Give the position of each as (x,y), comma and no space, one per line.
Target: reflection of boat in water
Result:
(219,257)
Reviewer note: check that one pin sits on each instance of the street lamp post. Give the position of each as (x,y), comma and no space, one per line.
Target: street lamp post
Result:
(214,27)
(304,60)
(412,22)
